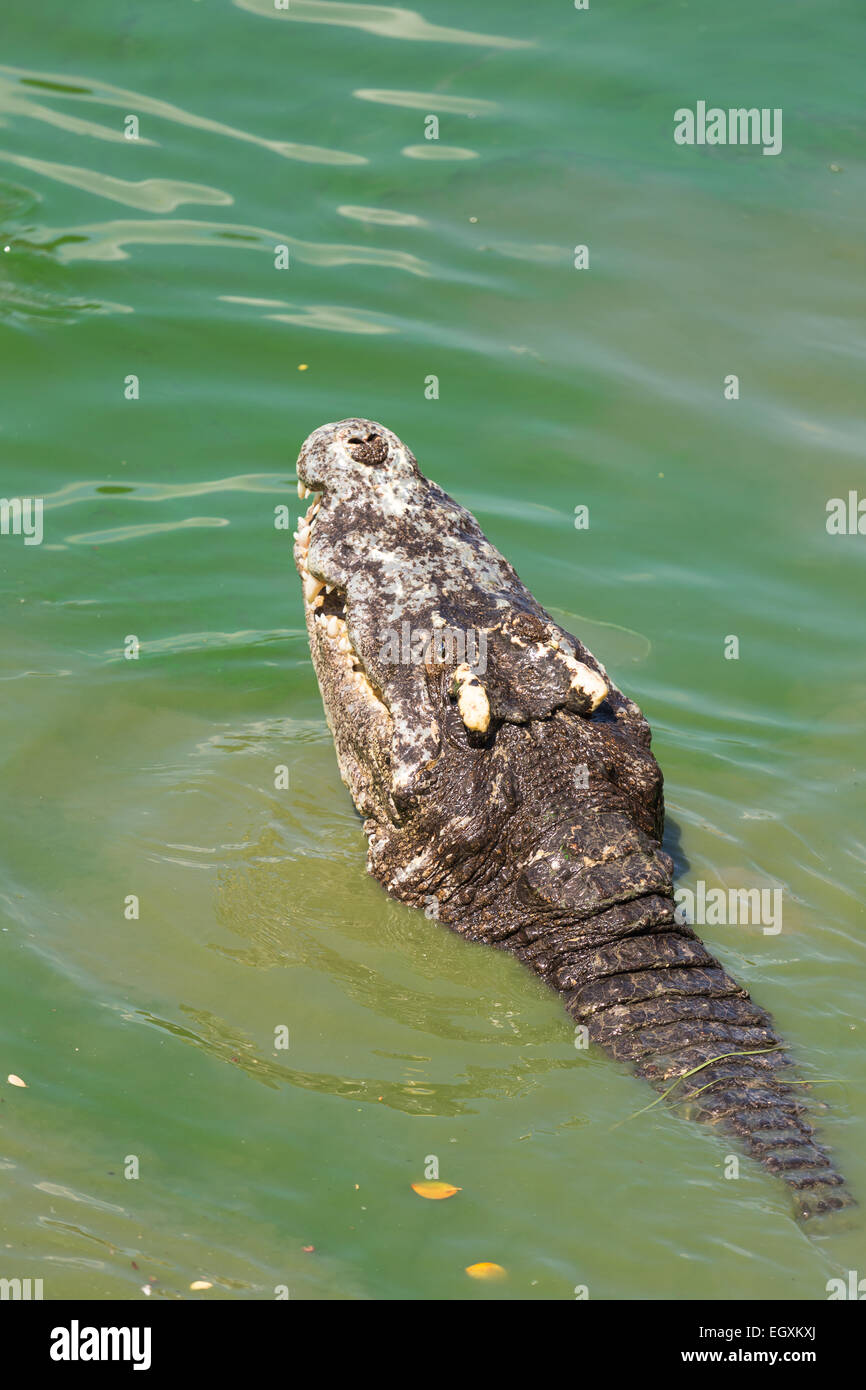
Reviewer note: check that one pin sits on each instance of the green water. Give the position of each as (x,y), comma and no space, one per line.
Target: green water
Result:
(155,1038)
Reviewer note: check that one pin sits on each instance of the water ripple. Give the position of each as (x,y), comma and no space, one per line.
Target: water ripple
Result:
(22,302)
(435,151)
(104,241)
(428,101)
(386,20)
(15,98)
(87,491)
(334,317)
(136,533)
(198,641)
(383,217)
(152,195)
(225,1042)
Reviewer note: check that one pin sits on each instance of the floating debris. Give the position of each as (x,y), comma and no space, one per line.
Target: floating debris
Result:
(435,1191)
(486,1270)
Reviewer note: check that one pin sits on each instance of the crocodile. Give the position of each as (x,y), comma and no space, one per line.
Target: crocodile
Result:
(508,790)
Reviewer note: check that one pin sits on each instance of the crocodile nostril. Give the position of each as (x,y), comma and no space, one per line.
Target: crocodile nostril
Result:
(372,450)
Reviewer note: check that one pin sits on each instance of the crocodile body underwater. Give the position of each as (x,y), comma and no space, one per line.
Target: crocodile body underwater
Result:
(509,791)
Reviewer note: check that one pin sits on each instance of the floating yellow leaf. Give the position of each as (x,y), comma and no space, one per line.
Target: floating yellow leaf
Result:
(435,1190)
(16,1080)
(486,1270)
(200,1284)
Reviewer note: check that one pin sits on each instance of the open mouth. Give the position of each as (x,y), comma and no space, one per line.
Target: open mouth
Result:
(327,605)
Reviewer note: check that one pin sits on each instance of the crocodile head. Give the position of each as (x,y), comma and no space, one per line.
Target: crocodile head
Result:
(482,743)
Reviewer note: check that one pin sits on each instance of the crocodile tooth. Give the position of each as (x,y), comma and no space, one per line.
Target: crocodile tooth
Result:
(472,701)
(588,683)
(312,587)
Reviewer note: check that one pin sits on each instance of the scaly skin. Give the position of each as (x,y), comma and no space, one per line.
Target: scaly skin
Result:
(519,803)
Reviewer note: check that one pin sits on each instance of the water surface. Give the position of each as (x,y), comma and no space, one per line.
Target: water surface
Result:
(155,777)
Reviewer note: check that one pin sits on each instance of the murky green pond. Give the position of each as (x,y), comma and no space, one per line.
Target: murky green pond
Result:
(149,1043)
